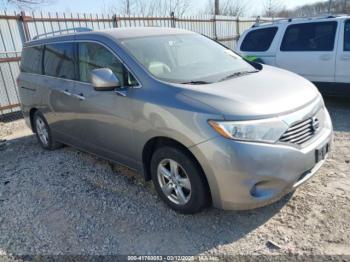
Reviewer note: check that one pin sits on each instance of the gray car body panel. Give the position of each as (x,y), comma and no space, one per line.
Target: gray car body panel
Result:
(118,127)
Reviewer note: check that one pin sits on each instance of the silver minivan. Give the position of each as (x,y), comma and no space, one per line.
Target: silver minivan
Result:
(204,124)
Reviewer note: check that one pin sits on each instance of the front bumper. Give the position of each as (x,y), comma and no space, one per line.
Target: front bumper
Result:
(246,175)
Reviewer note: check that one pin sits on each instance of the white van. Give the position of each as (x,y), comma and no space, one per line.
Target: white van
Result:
(316,48)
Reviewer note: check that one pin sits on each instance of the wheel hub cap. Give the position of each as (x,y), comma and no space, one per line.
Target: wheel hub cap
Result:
(174,181)
(42,131)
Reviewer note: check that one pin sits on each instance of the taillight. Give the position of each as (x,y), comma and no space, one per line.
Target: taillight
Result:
(17,81)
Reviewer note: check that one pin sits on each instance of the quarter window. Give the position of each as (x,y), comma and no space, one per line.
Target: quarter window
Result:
(31,60)
(347,36)
(93,56)
(59,60)
(259,40)
(310,37)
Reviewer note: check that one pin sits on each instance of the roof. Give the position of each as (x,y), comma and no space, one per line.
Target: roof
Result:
(131,32)
(301,20)
(115,33)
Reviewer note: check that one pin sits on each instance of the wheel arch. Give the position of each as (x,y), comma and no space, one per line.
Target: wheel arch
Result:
(31,117)
(160,141)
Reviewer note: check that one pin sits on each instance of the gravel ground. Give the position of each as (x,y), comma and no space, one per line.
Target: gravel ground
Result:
(68,202)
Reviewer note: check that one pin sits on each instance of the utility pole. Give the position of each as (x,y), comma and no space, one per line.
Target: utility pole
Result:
(345,7)
(329,6)
(127,7)
(217,8)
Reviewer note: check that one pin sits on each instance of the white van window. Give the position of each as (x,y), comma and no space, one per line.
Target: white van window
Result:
(259,40)
(310,37)
(93,56)
(347,36)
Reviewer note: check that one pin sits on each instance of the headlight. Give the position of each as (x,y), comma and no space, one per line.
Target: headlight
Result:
(266,130)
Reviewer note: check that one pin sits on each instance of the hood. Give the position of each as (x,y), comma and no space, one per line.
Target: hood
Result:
(267,93)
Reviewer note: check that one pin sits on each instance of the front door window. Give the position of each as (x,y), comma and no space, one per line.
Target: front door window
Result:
(93,56)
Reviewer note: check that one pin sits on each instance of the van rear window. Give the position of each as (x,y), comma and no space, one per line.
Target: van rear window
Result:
(310,37)
(31,61)
(347,36)
(259,40)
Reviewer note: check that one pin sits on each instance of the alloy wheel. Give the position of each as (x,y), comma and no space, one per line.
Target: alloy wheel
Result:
(42,131)
(174,181)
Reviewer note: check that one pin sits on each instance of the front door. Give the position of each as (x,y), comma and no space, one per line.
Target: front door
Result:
(308,49)
(104,117)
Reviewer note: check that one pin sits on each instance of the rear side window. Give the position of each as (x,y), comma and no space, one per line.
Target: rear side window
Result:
(347,36)
(59,60)
(259,40)
(310,37)
(31,60)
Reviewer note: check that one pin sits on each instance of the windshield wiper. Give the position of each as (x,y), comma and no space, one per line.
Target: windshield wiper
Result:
(198,82)
(238,74)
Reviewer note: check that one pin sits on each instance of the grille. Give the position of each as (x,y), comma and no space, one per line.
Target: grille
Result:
(301,132)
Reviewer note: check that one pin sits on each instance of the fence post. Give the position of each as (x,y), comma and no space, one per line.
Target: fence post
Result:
(173,19)
(237,28)
(25,28)
(214,28)
(115,21)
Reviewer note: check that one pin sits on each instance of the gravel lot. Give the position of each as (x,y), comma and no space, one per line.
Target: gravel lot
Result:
(68,202)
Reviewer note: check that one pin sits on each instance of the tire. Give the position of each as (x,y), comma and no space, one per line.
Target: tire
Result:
(43,132)
(185,189)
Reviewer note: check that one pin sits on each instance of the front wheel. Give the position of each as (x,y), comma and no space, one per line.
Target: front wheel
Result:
(179,180)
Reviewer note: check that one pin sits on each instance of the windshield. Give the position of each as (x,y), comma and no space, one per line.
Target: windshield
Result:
(186,58)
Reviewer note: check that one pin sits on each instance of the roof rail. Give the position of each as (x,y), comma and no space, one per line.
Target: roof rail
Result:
(262,21)
(325,16)
(68,30)
(257,21)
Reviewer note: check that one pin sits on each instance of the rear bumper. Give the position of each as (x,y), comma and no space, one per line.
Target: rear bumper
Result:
(244,175)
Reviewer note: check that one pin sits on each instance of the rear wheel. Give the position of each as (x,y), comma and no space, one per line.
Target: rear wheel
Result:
(179,181)
(43,132)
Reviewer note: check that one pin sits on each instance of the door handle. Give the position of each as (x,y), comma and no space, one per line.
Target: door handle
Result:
(345,57)
(80,96)
(66,92)
(325,57)
(120,92)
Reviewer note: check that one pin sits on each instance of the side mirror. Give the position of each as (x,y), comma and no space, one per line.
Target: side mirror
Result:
(103,79)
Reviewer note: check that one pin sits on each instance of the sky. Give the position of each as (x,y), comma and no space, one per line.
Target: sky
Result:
(98,6)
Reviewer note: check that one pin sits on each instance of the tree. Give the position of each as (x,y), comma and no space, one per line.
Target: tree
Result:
(272,8)
(126,6)
(151,7)
(320,8)
(22,4)
(227,7)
